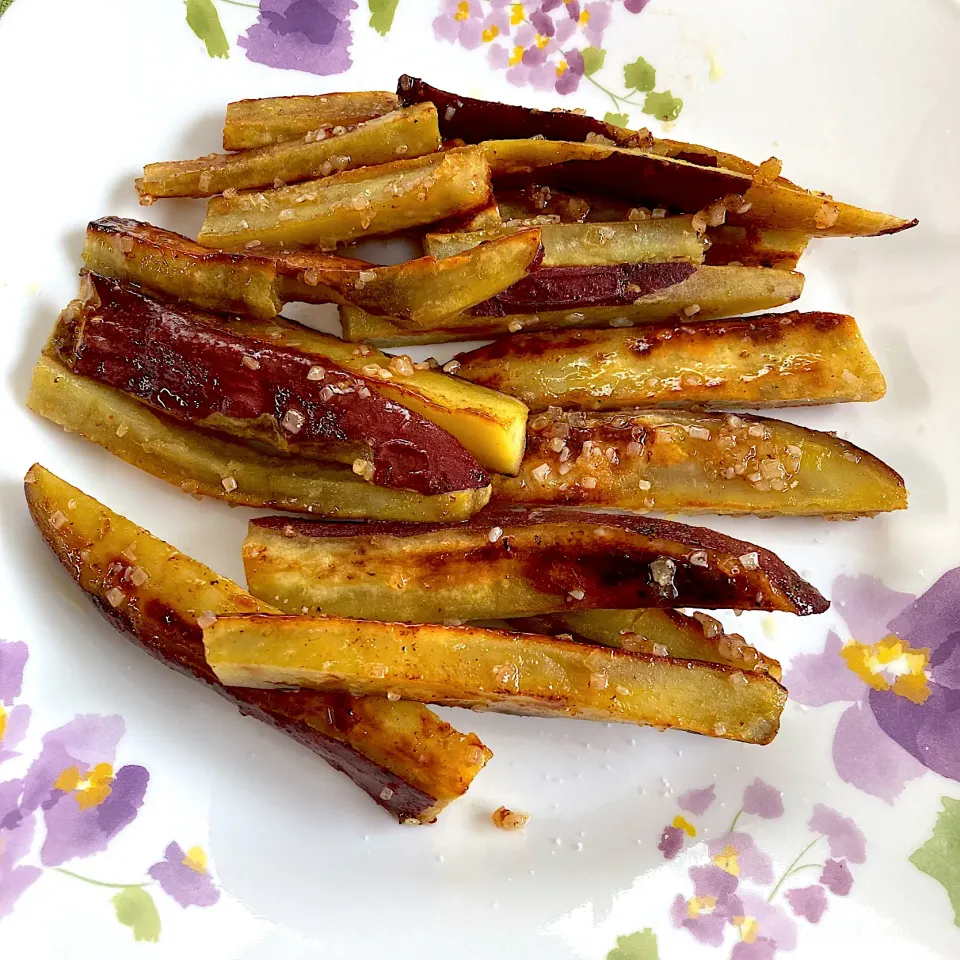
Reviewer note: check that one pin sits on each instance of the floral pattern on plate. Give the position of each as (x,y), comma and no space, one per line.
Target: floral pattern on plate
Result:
(899,671)
(549,45)
(75,797)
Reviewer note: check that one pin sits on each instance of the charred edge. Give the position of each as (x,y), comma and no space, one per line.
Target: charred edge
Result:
(188,363)
(146,234)
(700,159)
(906,225)
(802,596)
(561,288)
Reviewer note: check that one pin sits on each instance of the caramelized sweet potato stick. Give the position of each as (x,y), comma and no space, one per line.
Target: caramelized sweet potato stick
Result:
(405,757)
(202,464)
(677,462)
(368,202)
(515,563)
(664,633)
(777,360)
(406,133)
(590,244)
(494,670)
(473,120)
(255,123)
(642,178)
(619,295)
(207,371)
(425,289)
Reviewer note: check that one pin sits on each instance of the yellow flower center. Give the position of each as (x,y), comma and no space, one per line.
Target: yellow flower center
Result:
(491,32)
(196,860)
(698,905)
(681,823)
(890,664)
(584,18)
(516,14)
(3,721)
(542,41)
(748,928)
(726,859)
(561,68)
(463,10)
(90,789)
(516,56)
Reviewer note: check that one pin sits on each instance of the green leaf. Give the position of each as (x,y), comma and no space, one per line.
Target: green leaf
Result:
(135,908)
(204,21)
(381,15)
(939,857)
(664,105)
(593,58)
(4,6)
(617,119)
(639,75)
(637,946)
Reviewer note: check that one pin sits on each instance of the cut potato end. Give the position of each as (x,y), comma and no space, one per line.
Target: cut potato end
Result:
(255,123)
(684,292)
(406,758)
(494,670)
(777,360)
(679,462)
(371,201)
(202,464)
(516,563)
(408,133)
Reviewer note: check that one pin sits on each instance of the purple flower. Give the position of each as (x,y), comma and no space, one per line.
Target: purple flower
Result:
(13,719)
(184,876)
(761,920)
(309,35)
(635,6)
(713,904)
(537,44)
(843,835)
(671,842)
(762,799)
(84,802)
(16,839)
(697,802)
(759,949)
(738,854)
(836,877)
(900,673)
(808,902)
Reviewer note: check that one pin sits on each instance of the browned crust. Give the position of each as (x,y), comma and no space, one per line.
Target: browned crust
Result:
(606,566)
(190,365)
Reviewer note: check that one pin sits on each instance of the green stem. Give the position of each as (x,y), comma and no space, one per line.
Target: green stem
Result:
(101,883)
(609,93)
(735,819)
(790,869)
(238,3)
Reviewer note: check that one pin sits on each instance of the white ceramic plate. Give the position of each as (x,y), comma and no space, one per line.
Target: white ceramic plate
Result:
(628,855)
